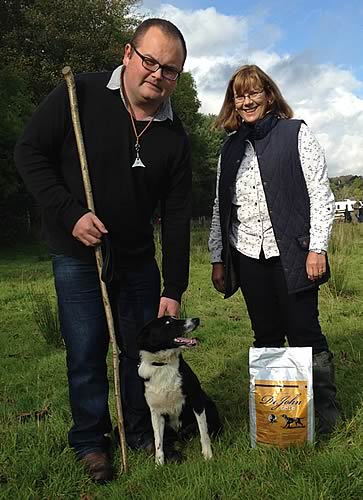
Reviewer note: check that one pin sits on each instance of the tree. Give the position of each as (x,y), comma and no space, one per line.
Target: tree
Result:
(347,186)
(205,140)
(185,101)
(16,107)
(45,35)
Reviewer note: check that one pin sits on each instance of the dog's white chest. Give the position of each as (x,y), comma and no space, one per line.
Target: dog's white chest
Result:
(163,387)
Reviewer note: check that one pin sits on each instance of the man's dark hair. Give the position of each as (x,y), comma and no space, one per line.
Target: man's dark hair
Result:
(165,26)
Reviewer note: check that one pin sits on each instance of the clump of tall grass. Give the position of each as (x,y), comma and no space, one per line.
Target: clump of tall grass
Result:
(45,314)
(343,238)
(199,243)
(337,285)
(341,247)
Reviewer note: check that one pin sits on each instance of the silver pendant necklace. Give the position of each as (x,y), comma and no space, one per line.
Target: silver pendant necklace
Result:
(138,161)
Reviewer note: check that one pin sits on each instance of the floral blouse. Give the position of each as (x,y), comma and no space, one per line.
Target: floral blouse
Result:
(251,228)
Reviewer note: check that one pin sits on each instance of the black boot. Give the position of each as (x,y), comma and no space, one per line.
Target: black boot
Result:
(326,406)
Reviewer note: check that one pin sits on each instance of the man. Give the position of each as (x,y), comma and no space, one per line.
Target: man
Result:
(138,155)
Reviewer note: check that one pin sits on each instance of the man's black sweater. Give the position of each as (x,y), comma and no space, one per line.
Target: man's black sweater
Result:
(125,197)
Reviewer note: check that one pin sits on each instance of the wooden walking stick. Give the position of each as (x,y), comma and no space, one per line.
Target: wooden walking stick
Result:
(68,75)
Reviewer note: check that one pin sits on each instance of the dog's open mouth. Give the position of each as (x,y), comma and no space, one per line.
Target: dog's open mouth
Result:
(185,342)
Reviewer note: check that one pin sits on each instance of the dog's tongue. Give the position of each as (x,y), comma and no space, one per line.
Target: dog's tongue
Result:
(185,341)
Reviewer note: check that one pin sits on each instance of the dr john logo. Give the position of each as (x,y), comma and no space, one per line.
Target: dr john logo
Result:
(285,402)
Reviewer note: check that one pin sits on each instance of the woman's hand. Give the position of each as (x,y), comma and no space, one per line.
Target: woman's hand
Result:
(315,265)
(218,276)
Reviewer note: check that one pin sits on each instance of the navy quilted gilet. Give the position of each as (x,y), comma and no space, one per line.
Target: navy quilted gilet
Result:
(276,145)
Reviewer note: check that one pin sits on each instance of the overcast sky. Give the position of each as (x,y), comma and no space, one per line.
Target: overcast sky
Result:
(311,48)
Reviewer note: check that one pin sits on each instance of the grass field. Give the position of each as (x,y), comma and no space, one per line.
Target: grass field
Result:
(35,462)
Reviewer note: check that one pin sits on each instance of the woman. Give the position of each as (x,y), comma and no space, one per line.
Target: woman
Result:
(272,220)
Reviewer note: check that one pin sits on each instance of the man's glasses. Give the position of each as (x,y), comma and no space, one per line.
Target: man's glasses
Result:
(150,64)
(253,96)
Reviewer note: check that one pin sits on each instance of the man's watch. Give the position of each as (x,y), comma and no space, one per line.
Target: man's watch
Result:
(321,252)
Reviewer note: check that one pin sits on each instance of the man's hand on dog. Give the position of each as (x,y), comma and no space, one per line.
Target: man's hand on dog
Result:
(218,276)
(168,307)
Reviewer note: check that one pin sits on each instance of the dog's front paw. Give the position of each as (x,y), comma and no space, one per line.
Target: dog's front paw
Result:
(159,458)
(207,453)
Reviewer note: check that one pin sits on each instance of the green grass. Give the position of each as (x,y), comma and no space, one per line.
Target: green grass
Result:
(35,462)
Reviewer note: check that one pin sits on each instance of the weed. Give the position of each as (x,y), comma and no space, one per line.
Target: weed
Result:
(45,314)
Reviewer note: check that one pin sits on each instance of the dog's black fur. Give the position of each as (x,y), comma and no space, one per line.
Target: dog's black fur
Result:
(172,390)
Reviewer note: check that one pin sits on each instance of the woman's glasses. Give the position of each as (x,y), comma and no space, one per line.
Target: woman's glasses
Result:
(253,96)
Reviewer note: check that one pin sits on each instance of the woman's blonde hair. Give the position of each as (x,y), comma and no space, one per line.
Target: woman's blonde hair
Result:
(250,77)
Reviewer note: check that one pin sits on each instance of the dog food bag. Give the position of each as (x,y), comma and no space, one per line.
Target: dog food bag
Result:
(281,396)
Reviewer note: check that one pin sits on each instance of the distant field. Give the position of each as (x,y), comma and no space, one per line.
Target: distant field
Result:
(35,462)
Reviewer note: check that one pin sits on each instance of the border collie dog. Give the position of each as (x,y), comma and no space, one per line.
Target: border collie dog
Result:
(172,390)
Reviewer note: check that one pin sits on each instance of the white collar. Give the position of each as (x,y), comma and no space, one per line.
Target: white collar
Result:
(165,110)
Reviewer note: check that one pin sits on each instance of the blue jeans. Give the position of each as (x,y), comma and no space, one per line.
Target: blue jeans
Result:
(134,298)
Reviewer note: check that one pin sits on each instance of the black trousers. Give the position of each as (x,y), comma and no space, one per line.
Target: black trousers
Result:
(275,315)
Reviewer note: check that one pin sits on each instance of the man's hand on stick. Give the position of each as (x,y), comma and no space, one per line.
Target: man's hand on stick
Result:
(89,230)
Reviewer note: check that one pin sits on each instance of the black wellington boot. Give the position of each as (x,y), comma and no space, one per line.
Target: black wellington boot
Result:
(327,408)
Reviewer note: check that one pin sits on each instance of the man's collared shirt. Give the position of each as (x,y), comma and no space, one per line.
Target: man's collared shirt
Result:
(165,112)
